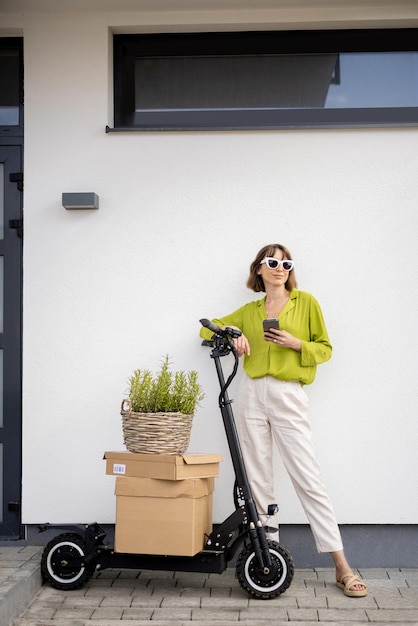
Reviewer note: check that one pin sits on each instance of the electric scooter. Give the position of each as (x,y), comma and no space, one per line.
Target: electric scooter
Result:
(264,568)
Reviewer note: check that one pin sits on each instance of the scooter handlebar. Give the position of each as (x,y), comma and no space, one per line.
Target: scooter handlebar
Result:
(228,331)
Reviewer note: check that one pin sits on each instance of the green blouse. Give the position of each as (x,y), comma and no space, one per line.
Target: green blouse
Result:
(301,317)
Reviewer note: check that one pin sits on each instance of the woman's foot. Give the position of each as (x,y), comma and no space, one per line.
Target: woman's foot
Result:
(352,585)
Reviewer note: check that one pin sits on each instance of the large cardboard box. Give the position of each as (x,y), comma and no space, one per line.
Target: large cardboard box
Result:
(155,516)
(165,466)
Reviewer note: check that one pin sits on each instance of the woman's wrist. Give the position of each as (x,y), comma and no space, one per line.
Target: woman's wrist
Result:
(297,345)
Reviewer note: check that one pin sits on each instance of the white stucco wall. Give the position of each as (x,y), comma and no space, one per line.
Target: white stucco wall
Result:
(181,217)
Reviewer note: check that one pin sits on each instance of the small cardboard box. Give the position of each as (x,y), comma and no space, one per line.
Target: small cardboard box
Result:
(164,466)
(155,516)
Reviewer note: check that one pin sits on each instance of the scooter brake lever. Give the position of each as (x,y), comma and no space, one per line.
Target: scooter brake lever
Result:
(232,332)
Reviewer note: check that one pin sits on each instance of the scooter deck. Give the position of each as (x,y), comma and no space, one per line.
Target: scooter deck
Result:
(204,561)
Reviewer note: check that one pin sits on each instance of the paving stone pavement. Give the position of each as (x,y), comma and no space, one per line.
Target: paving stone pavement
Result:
(176,599)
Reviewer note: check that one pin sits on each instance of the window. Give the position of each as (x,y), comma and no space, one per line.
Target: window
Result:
(11,82)
(266,79)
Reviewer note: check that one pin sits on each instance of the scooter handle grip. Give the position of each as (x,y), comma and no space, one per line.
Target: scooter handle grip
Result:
(232,332)
(210,325)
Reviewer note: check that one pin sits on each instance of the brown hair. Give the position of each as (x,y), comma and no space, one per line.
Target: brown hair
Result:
(255,282)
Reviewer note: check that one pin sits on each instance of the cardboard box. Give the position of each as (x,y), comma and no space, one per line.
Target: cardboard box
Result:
(164,466)
(155,516)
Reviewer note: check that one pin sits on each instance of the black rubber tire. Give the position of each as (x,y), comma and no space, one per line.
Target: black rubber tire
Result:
(53,562)
(265,585)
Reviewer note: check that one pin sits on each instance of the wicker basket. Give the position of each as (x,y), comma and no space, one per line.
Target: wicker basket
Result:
(155,433)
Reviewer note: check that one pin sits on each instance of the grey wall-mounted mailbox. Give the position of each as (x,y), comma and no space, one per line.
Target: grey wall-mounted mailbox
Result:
(86,200)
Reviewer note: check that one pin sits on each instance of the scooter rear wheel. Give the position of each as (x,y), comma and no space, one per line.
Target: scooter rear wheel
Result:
(56,559)
(261,584)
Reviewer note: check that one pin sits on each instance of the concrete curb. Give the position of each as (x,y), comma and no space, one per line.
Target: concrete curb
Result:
(21,581)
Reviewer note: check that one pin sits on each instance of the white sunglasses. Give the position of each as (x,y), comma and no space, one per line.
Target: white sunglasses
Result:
(273,263)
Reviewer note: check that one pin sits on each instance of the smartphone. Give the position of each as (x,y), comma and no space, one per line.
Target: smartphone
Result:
(269,323)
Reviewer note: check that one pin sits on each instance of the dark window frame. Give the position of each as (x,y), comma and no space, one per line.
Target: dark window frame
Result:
(128,47)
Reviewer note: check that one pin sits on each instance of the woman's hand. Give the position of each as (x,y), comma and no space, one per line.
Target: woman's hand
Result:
(283,339)
(241,343)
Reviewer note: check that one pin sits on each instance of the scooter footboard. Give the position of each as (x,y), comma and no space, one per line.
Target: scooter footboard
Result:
(204,561)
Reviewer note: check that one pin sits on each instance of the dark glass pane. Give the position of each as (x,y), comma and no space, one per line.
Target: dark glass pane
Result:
(9,87)
(237,82)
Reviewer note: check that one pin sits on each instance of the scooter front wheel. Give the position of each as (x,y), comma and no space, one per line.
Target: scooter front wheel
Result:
(261,583)
(61,564)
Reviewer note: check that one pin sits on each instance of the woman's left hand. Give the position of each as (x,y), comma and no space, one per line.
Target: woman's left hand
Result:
(283,339)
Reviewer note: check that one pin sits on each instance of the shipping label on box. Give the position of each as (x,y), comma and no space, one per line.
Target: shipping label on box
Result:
(163,517)
(163,466)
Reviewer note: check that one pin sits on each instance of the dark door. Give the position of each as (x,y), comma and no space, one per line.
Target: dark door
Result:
(10,340)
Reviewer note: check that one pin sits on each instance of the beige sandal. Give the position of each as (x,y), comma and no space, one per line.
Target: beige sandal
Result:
(350,581)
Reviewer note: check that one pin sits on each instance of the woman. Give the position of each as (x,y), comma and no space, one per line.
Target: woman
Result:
(272,404)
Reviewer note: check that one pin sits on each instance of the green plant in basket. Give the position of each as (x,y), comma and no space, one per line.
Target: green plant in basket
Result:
(166,391)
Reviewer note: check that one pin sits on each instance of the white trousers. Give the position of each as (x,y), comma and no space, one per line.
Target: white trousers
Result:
(268,410)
